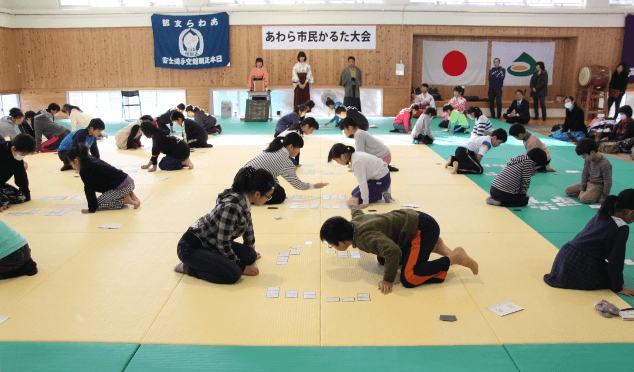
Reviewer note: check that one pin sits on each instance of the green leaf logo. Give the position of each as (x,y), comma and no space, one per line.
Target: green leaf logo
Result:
(523,70)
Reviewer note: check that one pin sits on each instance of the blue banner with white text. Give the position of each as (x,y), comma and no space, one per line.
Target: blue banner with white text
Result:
(190,42)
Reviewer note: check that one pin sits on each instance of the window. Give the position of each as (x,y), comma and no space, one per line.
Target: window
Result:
(7,102)
(541,3)
(295,2)
(107,105)
(621,2)
(118,3)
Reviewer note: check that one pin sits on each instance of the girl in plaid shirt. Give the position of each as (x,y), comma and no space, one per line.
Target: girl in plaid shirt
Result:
(208,250)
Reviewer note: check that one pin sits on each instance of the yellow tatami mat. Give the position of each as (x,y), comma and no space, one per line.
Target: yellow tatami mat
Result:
(98,285)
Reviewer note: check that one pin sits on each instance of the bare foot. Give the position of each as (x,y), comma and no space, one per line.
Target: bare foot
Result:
(460,257)
(134,197)
(188,163)
(448,163)
(128,200)
(455,168)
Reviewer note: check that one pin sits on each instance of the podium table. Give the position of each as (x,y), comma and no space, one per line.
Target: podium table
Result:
(256,109)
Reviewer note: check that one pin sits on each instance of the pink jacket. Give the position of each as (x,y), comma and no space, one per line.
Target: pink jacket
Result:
(404,117)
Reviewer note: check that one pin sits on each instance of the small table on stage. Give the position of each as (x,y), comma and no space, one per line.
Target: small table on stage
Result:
(250,101)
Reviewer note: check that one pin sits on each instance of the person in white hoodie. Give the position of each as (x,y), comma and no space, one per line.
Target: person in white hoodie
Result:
(78,118)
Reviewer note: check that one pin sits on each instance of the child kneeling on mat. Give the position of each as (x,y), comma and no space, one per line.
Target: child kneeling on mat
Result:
(87,137)
(371,172)
(596,178)
(15,254)
(175,149)
(531,141)
(44,125)
(510,186)
(581,263)
(403,121)
(193,133)
(422,129)
(12,164)
(365,142)
(208,250)
(115,186)
(467,158)
(404,238)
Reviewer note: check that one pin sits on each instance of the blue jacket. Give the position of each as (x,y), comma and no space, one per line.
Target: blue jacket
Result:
(496,78)
(77,137)
(286,121)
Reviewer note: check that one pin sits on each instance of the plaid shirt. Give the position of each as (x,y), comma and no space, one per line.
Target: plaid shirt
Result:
(230,219)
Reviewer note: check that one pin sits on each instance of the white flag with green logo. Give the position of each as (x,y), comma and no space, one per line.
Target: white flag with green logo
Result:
(519,60)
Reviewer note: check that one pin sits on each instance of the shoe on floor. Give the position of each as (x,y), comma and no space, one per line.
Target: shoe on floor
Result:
(394,131)
(392,169)
(387,197)
(178,268)
(492,201)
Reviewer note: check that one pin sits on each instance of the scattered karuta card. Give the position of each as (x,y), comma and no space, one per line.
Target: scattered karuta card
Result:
(348,299)
(332,299)
(314,206)
(161,178)
(309,243)
(595,206)
(342,254)
(278,217)
(331,251)
(325,206)
(629,262)
(296,247)
(326,197)
(77,197)
(3,319)
(336,207)
(504,308)
(278,262)
(294,206)
(295,252)
(310,295)
(291,294)
(363,297)
(272,294)
(284,254)
(111,226)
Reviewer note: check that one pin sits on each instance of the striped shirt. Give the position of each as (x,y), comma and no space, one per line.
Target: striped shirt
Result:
(531,141)
(482,127)
(599,172)
(515,178)
(278,164)
(230,219)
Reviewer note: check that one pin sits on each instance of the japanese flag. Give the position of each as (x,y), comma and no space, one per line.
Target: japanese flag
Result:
(454,62)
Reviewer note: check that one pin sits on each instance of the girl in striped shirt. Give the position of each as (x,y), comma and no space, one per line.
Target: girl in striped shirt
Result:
(510,186)
(483,126)
(275,159)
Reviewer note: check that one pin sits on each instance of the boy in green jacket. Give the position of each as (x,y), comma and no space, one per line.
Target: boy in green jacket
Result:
(399,238)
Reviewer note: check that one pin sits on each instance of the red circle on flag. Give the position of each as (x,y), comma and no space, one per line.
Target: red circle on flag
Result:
(454,63)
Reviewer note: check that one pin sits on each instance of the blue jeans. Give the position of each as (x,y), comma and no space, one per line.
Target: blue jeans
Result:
(400,127)
(376,189)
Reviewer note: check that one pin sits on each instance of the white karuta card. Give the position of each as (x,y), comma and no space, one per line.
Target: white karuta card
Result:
(597,206)
(504,308)
(629,262)
(294,206)
(348,299)
(291,294)
(332,299)
(314,206)
(326,206)
(3,319)
(310,295)
(363,297)
(161,178)
(281,262)
(111,226)
(331,251)
(296,247)
(295,252)
(309,243)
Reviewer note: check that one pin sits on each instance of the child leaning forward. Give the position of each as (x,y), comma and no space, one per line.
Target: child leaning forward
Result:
(401,238)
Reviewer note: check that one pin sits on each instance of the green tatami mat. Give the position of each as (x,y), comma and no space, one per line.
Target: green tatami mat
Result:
(573,357)
(489,358)
(232,126)
(64,357)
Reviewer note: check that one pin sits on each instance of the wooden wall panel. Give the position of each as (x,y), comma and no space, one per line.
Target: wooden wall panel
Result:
(37,99)
(123,58)
(10,81)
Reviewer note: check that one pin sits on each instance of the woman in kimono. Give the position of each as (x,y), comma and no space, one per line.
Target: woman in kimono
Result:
(302,77)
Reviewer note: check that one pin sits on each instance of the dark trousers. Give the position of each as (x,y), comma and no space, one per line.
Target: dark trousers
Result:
(508,199)
(169,163)
(200,143)
(10,195)
(542,103)
(211,266)
(467,161)
(616,100)
(53,144)
(416,267)
(424,139)
(278,196)
(444,124)
(495,95)
(18,263)
(376,189)
(516,119)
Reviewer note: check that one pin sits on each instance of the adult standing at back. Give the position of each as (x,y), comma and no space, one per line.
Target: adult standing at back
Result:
(302,79)
(539,89)
(618,85)
(496,82)
(350,80)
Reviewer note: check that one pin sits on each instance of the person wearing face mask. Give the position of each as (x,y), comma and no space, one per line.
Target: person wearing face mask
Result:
(12,165)
(44,124)
(624,129)
(574,117)
(276,160)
